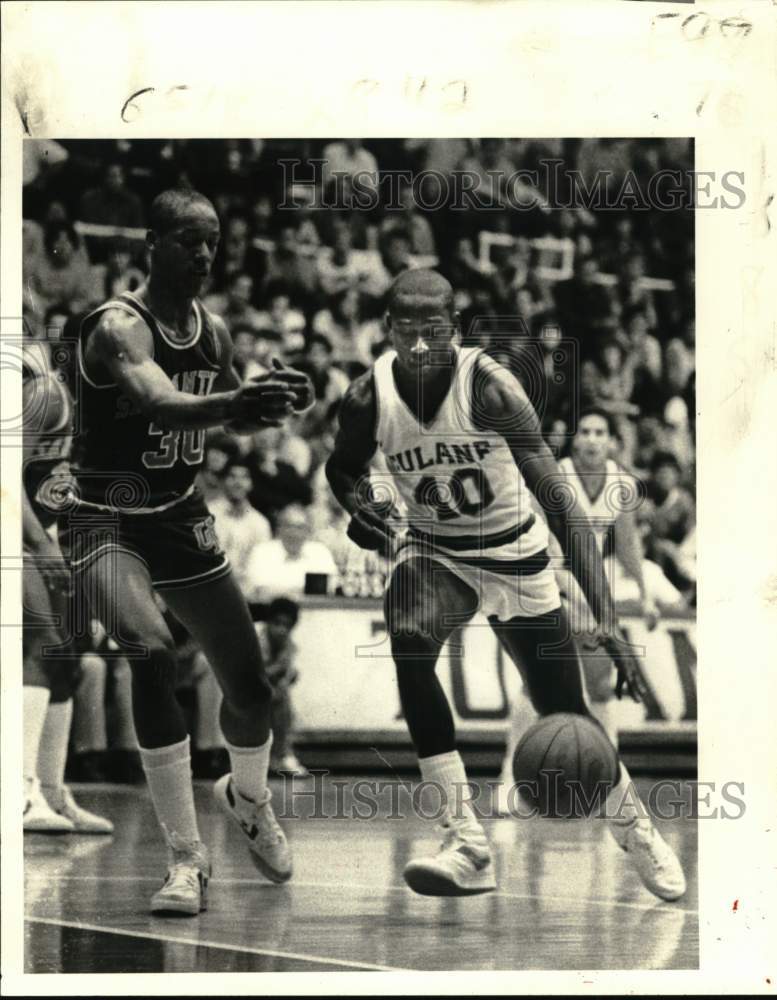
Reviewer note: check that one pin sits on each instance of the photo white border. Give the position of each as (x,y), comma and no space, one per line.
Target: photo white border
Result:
(517,68)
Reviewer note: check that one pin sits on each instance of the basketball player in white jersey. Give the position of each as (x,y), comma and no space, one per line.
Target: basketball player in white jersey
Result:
(465,448)
(50,664)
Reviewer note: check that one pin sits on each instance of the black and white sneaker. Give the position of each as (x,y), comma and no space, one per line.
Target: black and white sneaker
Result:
(266,840)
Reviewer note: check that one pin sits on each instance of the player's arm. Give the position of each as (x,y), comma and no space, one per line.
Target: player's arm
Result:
(123,346)
(348,467)
(503,407)
(628,551)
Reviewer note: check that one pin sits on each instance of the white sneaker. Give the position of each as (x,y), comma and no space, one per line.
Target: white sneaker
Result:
(504,799)
(83,821)
(266,840)
(463,866)
(39,817)
(185,889)
(655,861)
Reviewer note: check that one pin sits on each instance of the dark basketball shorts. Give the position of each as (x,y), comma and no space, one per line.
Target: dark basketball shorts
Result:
(178,544)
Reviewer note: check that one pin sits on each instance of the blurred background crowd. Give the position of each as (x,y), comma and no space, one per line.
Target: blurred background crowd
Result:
(585,305)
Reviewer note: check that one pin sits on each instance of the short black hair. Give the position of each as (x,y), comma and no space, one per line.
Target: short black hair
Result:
(236,462)
(283,606)
(597,411)
(167,207)
(665,458)
(321,340)
(55,229)
(420,281)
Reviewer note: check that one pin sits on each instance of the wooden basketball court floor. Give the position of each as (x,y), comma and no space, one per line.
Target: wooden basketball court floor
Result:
(566,900)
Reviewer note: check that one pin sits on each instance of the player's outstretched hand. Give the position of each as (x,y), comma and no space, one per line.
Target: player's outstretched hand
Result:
(621,653)
(299,384)
(264,401)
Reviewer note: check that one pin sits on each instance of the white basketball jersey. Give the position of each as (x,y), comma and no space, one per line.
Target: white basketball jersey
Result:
(458,483)
(618,492)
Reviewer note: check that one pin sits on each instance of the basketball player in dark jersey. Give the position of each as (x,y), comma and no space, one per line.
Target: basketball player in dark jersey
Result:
(155,370)
(50,663)
(465,447)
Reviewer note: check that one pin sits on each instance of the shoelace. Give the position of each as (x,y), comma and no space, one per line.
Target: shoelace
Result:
(270,832)
(183,877)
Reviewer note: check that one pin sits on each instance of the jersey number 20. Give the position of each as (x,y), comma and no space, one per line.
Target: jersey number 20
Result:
(466,492)
(189,443)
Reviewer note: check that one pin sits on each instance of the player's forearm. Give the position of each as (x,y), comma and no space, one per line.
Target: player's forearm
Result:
(184,411)
(578,542)
(628,551)
(343,482)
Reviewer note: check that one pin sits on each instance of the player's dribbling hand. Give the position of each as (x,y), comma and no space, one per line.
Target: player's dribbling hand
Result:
(298,383)
(621,653)
(372,532)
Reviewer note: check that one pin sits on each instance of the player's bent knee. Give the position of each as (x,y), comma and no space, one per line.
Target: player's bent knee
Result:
(412,643)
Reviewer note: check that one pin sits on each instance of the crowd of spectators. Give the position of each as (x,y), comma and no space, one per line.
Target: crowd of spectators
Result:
(586,306)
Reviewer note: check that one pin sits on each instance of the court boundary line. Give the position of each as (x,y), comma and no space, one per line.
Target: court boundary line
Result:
(235,880)
(200,943)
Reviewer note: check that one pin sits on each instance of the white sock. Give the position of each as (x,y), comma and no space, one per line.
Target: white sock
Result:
(52,753)
(34,705)
(623,806)
(169,775)
(447,770)
(249,769)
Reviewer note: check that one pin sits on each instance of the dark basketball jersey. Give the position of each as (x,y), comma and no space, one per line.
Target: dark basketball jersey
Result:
(125,460)
(48,437)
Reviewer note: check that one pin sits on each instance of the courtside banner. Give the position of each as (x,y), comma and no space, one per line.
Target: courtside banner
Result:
(347,689)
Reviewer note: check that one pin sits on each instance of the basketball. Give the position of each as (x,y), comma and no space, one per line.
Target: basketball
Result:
(564,766)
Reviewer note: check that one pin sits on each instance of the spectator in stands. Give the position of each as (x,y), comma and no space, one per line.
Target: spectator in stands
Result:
(117,274)
(584,305)
(395,258)
(62,276)
(112,203)
(347,160)
(236,255)
(290,265)
(244,341)
(278,656)
(411,223)
(239,526)
(277,482)
(280,567)
(607,381)
(283,319)
(672,517)
(234,305)
(631,289)
(338,268)
(220,448)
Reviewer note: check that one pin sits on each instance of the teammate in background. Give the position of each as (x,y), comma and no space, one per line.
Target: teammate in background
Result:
(465,447)
(50,665)
(155,371)
(609,495)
